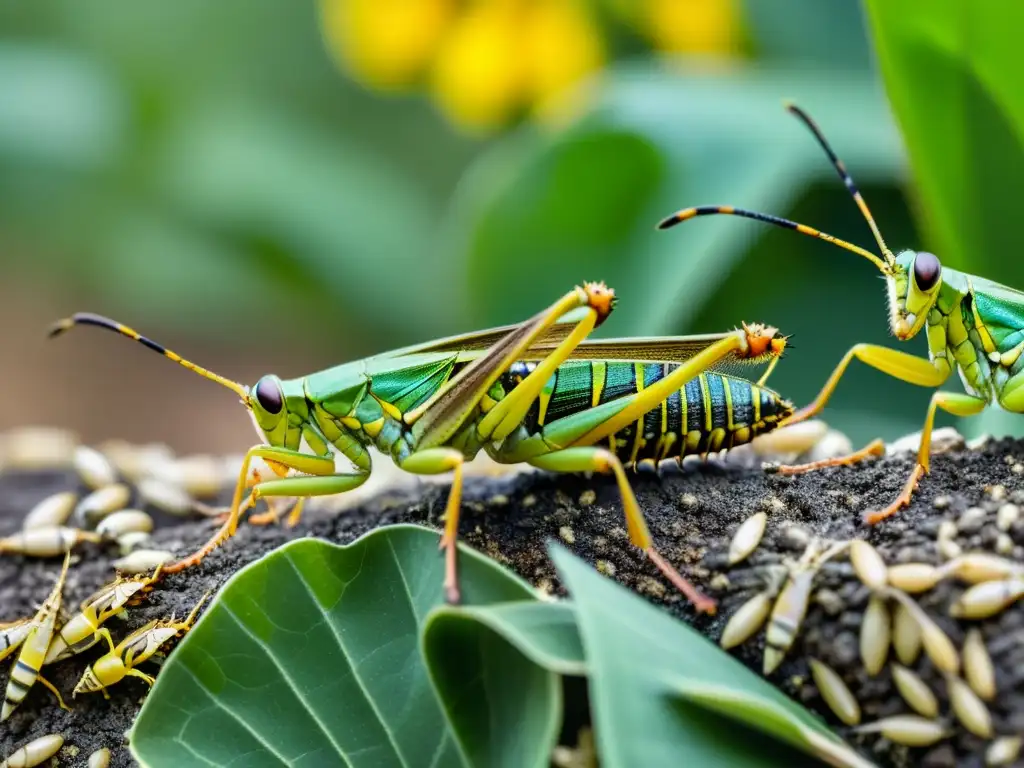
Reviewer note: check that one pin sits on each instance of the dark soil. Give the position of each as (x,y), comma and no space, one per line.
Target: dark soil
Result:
(692,515)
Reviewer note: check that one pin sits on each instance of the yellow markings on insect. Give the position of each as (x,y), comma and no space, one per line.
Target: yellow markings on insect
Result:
(33,650)
(373,428)
(13,634)
(80,631)
(140,645)
(599,371)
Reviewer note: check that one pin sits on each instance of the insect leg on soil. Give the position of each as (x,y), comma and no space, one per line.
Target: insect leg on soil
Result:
(538,392)
(972,325)
(139,646)
(33,650)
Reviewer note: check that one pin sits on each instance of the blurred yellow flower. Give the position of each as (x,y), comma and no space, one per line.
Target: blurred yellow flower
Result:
(487,62)
(562,46)
(479,76)
(385,43)
(694,26)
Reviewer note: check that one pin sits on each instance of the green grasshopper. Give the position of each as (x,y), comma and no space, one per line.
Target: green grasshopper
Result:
(538,392)
(973,326)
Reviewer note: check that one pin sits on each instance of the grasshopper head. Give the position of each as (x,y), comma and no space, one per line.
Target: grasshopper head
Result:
(913,280)
(267,403)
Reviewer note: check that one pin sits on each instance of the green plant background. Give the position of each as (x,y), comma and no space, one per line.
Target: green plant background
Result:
(203,172)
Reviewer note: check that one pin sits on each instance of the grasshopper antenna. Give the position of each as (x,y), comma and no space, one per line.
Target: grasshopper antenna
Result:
(884,263)
(844,176)
(87,318)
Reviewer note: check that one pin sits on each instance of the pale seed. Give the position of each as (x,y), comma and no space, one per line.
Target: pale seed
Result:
(93,467)
(143,560)
(976,567)
(101,503)
(125,521)
(1003,751)
(875,635)
(35,752)
(914,577)
(910,730)
(835,692)
(987,599)
(968,708)
(978,668)
(868,564)
(915,691)
(53,511)
(746,621)
(747,537)
(906,635)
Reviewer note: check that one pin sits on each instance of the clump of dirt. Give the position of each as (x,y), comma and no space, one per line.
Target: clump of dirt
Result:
(692,516)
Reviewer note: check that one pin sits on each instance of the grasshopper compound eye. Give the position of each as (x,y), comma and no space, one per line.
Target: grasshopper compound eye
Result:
(268,394)
(926,270)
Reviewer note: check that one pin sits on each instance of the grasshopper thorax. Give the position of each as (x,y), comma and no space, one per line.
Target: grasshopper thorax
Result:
(913,279)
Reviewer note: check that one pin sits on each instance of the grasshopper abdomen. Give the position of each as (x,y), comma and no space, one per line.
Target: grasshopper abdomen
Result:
(709,413)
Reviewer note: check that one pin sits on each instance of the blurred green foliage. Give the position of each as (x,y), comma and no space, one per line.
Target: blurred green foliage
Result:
(206,169)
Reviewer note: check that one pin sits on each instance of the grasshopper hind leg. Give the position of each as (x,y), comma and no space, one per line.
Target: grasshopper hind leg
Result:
(594,459)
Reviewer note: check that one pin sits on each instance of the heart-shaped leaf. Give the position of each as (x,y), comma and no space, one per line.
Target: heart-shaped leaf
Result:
(311,656)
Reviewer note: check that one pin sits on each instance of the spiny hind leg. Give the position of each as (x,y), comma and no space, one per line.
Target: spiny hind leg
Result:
(955,403)
(594,459)
(436,461)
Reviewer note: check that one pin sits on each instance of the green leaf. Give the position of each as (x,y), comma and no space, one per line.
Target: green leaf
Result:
(659,690)
(496,670)
(582,203)
(952,71)
(311,656)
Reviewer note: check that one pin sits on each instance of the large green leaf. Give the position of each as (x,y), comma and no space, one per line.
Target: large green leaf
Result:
(496,669)
(311,656)
(659,690)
